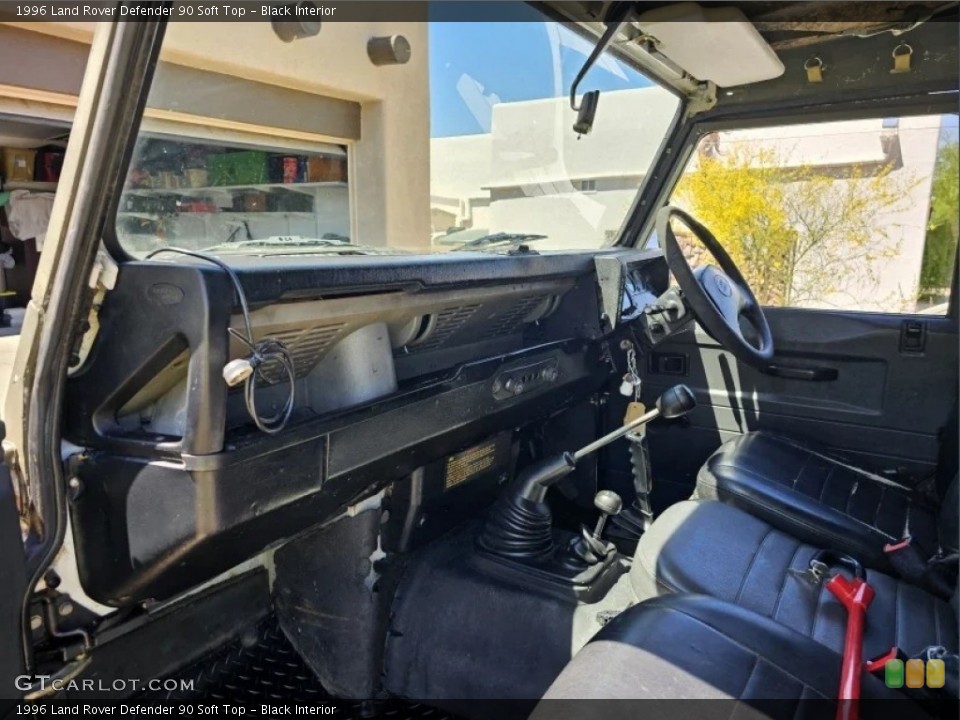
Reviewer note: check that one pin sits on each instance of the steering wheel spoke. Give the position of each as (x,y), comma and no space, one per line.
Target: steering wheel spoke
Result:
(718,296)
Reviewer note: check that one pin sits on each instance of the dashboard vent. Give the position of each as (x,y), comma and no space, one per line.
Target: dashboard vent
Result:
(512,318)
(306,348)
(446,324)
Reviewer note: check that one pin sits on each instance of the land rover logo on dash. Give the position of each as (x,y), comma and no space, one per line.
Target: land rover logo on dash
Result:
(165,294)
(723,285)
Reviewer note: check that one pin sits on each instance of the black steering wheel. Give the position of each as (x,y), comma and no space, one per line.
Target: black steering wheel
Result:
(718,297)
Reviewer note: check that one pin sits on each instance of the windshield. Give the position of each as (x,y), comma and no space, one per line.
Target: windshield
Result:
(373,138)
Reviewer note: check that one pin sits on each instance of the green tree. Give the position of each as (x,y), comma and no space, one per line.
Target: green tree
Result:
(940,247)
(798,233)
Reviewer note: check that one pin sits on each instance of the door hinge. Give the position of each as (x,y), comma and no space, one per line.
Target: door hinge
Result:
(103,278)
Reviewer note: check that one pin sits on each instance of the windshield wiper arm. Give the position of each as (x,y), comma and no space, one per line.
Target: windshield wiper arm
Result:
(501,238)
(334,244)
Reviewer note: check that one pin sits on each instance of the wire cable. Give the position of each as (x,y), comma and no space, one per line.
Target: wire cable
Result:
(264,352)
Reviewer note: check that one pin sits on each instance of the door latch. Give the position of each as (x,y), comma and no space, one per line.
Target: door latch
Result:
(913,336)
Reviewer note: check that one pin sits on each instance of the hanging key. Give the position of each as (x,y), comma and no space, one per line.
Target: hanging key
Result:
(634,410)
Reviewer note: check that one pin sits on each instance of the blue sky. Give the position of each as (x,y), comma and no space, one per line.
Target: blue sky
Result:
(473,65)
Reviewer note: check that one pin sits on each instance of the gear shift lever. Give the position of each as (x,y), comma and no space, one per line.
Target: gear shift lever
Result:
(591,549)
(519,525)
(608,503)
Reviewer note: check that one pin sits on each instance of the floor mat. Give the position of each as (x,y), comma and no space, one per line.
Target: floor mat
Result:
(263,667)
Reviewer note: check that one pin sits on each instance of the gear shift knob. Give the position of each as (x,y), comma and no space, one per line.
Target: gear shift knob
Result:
(608,502)
(676,402)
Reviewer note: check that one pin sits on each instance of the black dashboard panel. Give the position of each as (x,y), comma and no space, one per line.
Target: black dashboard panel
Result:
(157,515)
(270,279)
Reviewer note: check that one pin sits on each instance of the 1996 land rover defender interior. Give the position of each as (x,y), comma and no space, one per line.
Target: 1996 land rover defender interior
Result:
(594,352)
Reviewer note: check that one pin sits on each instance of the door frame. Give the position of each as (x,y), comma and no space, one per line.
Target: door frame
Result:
(119,68)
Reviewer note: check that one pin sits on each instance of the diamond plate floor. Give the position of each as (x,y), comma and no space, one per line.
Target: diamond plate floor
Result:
(262,667)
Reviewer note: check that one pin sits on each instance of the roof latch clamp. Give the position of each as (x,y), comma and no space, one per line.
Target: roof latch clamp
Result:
(901,59)
(814,68)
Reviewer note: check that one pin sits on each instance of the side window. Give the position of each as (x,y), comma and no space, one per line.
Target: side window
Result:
(856,215)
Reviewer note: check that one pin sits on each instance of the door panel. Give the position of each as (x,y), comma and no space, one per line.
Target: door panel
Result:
(883,411)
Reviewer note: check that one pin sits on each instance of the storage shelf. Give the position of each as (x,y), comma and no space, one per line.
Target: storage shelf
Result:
(305,188)
(32,185)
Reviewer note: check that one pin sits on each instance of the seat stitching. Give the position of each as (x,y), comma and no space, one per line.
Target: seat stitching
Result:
(826,480)
(756,554)
(665,585)
(733,709)
(753,669)
(853,491)
(869,550)
(876,511)
(783,585)
(811,527)
(655,575)
(793,485)
(879,479)
(796,707)
(816,611)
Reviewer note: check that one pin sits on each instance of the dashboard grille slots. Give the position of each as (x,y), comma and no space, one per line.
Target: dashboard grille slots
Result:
(449,321)
(510,320)
(306,348)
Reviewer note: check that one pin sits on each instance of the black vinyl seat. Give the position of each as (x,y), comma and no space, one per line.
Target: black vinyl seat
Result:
(802,490)
(698,647)
(719,550)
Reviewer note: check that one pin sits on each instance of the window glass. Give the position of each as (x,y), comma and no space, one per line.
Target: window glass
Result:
(857,215)
(467,146)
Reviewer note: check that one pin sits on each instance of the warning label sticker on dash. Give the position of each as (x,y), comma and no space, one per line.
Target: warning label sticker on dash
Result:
(470,463)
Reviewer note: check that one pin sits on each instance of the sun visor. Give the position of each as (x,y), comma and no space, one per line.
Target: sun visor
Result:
(717,44)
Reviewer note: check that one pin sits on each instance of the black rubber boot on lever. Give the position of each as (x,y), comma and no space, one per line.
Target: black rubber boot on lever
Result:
(520,525)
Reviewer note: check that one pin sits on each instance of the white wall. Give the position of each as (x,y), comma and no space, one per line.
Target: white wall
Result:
(533,150)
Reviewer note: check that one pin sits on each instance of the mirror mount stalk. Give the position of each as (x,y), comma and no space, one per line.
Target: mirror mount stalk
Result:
(587,109)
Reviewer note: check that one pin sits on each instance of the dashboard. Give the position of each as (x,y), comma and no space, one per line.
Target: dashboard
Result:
(399,366)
